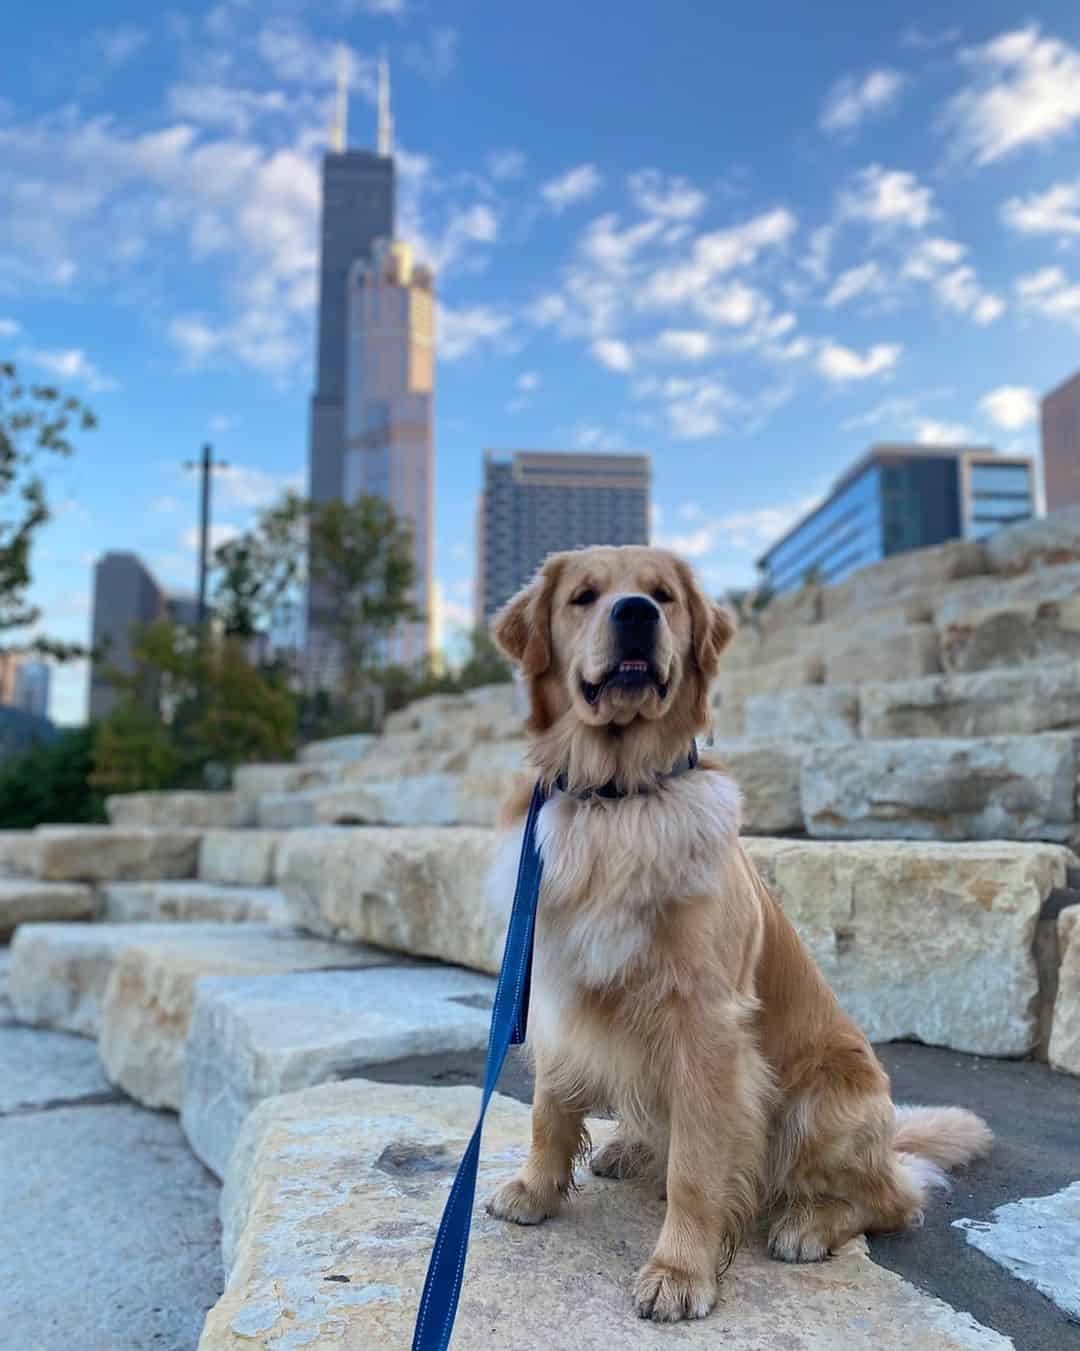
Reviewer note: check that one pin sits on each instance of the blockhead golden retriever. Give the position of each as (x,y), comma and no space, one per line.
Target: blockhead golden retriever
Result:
(668,986)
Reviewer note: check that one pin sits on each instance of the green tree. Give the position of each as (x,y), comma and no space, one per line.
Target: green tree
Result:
(260,571)
(35,421)
(51,783)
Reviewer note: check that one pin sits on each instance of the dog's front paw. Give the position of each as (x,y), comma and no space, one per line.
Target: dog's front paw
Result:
(793,1240)
(621,1158)
(668,1294)
(519,1204)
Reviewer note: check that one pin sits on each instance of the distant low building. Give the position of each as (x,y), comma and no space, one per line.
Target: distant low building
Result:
(901,497)
(1060,420)
(24,683)
(538,502)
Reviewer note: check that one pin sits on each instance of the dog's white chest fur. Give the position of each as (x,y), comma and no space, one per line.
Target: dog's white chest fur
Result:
(610,870)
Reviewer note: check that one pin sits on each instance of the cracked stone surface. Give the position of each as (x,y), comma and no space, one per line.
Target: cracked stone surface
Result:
(42,1069)
(252,1039)
(24,900)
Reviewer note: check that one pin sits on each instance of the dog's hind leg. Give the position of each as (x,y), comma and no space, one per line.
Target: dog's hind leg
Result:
(558,1138)
(624,1157)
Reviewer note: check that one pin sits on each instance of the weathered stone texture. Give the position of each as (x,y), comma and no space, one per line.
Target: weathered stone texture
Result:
(904,578)
(25,901)
(191,902)
(815,713)
(768,774)
(113,853)
(1064,1050)
(196,810)
(899,656)
(1045,542)
(337,750)
(254,780)
(17,853)
(243,858)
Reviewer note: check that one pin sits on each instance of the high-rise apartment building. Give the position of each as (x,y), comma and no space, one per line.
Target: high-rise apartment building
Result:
(24,683)
(389,387)
(1061,444)
(125,595)
(901,497)
(540,502)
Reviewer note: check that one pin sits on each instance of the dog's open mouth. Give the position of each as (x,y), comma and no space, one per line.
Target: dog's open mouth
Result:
(632,673)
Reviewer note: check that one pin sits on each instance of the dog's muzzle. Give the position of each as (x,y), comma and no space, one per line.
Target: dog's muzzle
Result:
(635,620)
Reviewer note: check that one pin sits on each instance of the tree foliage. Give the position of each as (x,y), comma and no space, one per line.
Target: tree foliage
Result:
(259,572)
(51,783)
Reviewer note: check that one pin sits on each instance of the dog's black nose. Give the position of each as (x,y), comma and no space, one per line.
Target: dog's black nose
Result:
(635,614)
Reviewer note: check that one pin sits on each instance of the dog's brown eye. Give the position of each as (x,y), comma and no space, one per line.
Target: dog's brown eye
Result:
(662,596)
(586,597)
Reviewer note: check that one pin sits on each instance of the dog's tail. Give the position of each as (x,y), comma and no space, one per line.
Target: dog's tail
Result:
(930,1140)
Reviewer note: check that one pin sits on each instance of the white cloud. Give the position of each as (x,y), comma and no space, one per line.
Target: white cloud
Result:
(672,199)
(118,45)
(573,186)
(816,261)
(887,197)
(931,433)
(613,353)
(930,256)
(890,411)
(694,408)
(1053,212)
(716,253)
(475,224)
(855,282)
(591,436)
(70,363)
(9,328)
(685,344)
(960,291)
(193,338)
(1050,293)
(218,534)
(851,100)
(1010,406)
(247,486)
(546,310)
(462,331)
(221,105)
(1025,92)
(504,165)
(220,423)
(437,57)
(613,250)
(743,531)
(840,364)
(528,380)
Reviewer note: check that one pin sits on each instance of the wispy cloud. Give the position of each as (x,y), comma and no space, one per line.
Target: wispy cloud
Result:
(1053,212)
(1010,406)
(575,185)
(70,363)
(466,330)
(887,197)
(851,101)
(840,364)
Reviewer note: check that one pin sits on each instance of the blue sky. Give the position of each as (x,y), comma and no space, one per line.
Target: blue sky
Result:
(749,239)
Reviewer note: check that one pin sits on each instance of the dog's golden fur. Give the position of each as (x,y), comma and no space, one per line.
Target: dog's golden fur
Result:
(668,986)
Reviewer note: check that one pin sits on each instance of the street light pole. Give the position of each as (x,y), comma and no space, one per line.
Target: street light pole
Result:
(206,466)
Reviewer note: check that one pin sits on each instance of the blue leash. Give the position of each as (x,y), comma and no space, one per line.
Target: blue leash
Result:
(439,1302)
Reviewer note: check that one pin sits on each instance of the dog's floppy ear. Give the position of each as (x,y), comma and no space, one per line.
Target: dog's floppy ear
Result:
(522,628)
(713,624)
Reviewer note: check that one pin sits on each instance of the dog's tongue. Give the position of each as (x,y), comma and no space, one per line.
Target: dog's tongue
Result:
(633,666)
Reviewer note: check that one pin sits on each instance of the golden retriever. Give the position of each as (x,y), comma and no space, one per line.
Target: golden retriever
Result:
(668,986)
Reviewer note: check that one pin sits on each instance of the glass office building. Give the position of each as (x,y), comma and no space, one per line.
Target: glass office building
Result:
(898,498)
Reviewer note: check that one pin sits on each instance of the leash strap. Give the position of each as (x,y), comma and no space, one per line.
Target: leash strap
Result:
(438,1304)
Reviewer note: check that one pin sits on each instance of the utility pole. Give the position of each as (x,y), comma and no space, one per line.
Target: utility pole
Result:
(206,466)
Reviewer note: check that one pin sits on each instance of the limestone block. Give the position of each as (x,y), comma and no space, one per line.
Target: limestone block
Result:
(1045,542)
(337,750)
(904,578)
(768,774)
(920,940)
(190,902)
(486,703)
(243,858)
(814,713)
(287,811)
(1064,1052)
(146,1009)
(999,702)
(420,890)
(1011,621)
(324,1254)
(113,853)
(193,809)
(252,1039)
(23,900)
(252,781)
(905,655)
(419,800)
(1006,788)
(17,852)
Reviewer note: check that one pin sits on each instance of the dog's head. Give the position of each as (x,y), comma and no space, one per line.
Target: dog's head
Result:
(612,638)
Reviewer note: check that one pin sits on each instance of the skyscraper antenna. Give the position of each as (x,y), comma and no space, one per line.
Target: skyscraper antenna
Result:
(384,139)
(339,130)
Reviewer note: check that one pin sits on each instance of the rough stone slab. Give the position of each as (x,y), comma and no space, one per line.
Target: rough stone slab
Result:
(922,940)
(108,1232)
(1015,701)
(981,597)
(420,890)
(485,703)
(44,1069)
(294,1216)
(17,853)
(59,972)
(815,713)
(768,774)
(146,1010)
(113,853)
(735,685)
(336,750)
(196,810)
(287,811)
(1045,542)
(253,1039)
(6,1011)
(1064,1048)
(471,799)
(998,621)
(191,902)
(996,788)
(461,751)
(254,780)
(904,577)
(1037,1240)
(898,656)
(242,858)
(24,901)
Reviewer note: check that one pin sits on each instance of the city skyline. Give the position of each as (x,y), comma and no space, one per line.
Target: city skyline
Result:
(751,247)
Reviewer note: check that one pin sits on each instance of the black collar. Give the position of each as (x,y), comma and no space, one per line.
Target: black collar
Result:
(610,790)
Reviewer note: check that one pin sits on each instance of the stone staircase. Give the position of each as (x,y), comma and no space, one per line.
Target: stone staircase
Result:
(907,748)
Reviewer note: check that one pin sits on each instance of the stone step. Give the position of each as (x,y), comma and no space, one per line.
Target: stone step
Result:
(113,853)
(252,781)
(336,750)
(479,707)
(243,858)
(17,849)
(251,1039)
(1047,541)
(25,900)
(1064,1049)
(318,1255)
(998,621)
(197,810)
(992,788)
(922,940)
(813,713)
(287,811)
(45,1070)
(418,800)
(147,1005)
(191,902)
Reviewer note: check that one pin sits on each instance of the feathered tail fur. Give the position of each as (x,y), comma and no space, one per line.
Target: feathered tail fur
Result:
(930,1140)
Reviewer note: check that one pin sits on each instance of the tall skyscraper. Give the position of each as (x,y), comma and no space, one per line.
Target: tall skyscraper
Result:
(1061,444)
(125,595)
(539,502)
(389,387)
